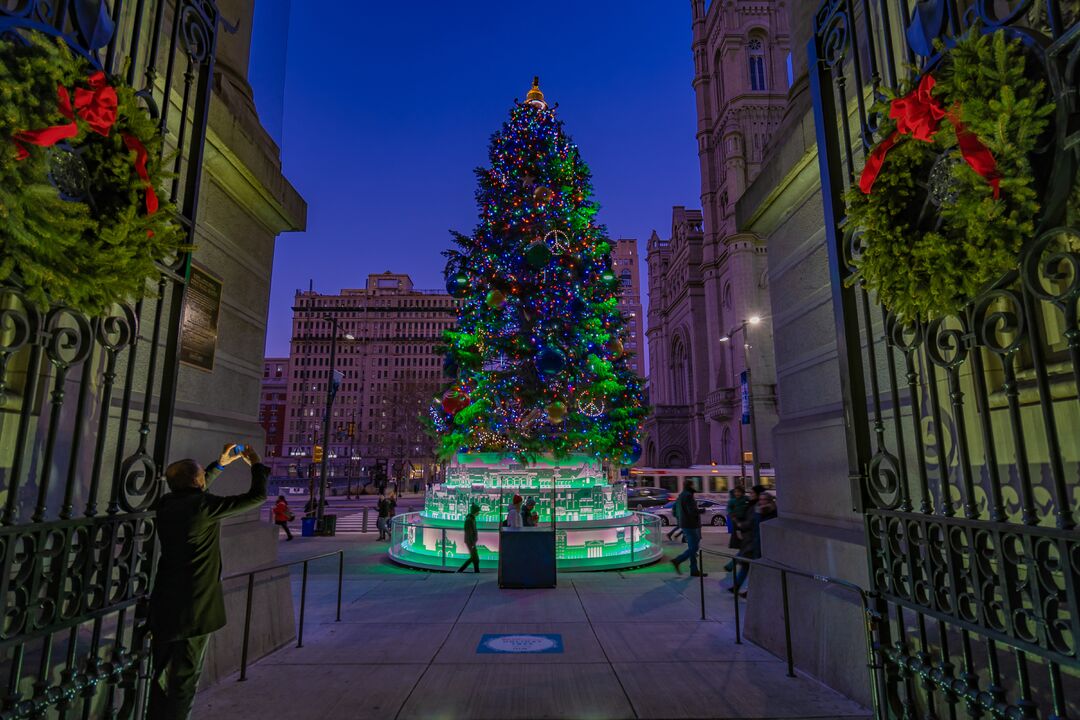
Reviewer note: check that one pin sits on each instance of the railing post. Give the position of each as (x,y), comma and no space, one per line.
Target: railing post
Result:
(632,541)
(701,578)
(340,579)
(363,521)
(303,601)
(444,547)
(787,624)
(247,627)
(735,594)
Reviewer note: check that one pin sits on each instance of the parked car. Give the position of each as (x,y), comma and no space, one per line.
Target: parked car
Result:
(712,512)
(646,497)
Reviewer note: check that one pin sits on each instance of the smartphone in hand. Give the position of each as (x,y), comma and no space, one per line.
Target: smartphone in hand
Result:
(237,450)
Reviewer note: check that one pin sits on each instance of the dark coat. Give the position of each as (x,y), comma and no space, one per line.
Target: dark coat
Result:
(187,599)
(751,544)
(471,536)
(689,514)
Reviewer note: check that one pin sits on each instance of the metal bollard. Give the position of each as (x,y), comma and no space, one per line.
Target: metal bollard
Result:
(363,521)
(738,632)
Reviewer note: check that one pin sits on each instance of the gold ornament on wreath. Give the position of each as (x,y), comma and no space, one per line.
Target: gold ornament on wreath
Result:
(80,161)
(961,139)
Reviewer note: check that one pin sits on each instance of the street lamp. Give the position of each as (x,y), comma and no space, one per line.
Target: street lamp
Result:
(752,320)
(332,384)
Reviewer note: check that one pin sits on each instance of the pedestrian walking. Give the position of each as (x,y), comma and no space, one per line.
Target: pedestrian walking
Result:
(690,522)
(739,510)
(763,510)
(675,525)
(471,536)
(283,516)
(187,603)
(383,522)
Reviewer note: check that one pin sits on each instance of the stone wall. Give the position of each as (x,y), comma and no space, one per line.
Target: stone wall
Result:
(817,529)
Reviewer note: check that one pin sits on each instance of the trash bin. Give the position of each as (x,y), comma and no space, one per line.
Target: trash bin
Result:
(307,527)
(329,528)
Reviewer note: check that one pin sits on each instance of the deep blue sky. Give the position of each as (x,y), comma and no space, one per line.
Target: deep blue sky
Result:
(388,107)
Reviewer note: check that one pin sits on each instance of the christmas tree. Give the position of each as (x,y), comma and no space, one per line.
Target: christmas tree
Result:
(536,364)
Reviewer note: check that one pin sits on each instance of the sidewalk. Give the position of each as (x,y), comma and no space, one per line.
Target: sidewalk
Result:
(408,646)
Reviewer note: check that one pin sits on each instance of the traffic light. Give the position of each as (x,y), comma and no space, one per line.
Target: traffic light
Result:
(316,454)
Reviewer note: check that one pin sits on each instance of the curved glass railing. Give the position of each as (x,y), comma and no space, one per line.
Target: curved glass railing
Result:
(431,543)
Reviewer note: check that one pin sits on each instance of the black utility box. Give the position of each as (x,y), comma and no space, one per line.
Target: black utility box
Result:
(526,557)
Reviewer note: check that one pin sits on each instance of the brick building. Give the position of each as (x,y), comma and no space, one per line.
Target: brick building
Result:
(624,256)
(272,404)
(388,333)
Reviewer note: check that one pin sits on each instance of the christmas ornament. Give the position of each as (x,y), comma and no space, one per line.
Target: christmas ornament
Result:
(454,401)
(632,455)
(557,242)
(608,277)
(457,285)
(495,298)
(550,361)
(615,347)
(537,254)
(543,194)
(535,97)
(591,406)
(943,187)
(556,412)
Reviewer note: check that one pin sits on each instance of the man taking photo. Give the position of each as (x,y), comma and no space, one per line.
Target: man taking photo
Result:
(187,602)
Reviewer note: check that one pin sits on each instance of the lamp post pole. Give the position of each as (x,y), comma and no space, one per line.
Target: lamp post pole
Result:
(754,320)
(742,448)
(331,392)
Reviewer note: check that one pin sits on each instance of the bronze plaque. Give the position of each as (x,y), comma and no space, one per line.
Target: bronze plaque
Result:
(199,321)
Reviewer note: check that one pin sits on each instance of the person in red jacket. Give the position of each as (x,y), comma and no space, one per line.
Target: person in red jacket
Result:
(282,516)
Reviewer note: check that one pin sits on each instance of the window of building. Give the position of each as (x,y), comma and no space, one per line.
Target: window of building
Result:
(756,51)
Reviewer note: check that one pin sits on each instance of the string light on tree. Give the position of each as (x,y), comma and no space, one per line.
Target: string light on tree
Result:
(539,366)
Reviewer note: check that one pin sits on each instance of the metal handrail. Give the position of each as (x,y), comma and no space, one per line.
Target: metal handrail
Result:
(871,616)
(250,574)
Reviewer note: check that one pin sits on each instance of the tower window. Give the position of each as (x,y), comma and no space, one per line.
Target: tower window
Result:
(756,49)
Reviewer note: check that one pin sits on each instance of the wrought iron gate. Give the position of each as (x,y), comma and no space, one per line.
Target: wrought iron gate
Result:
(86,402)
(963,432)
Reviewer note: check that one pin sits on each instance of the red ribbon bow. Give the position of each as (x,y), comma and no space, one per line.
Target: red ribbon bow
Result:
(141,155)
(919,114)
(96,106)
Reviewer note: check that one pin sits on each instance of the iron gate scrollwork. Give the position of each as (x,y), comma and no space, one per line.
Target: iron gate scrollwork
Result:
(86,403)
(964,431)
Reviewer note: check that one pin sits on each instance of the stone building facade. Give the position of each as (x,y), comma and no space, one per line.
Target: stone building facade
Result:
(624,254)
(390,371)
(817,530)
(246,202)
(710,275)
(272,404)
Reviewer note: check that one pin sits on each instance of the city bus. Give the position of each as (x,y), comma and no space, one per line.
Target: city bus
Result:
(709,479)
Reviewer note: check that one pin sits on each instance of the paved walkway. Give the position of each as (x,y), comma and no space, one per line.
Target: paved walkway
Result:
(633,646)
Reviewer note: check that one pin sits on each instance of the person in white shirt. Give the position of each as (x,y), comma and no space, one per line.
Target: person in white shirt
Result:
(513,516)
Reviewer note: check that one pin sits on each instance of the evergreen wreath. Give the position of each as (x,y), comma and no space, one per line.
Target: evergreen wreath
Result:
(80,158)
(961,139)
